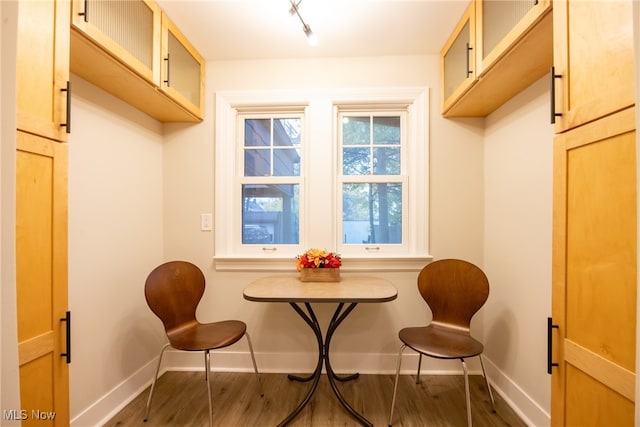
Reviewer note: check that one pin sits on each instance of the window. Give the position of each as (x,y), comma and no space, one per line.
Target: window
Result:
(372,179)
(270,179)
(340,170)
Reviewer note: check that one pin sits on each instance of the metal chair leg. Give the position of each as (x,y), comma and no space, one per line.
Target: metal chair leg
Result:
(255,367)
(153,384)
(207,373)
(395,385)
(486,380)
(466,390)
(419,367)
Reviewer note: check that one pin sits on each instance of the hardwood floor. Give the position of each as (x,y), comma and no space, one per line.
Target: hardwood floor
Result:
(181,400)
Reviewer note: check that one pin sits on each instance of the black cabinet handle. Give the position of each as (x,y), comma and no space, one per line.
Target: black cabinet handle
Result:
(168,70)
(550,328)
(554,76)
(469,71)
(67,124)
(84,14)
(67,319)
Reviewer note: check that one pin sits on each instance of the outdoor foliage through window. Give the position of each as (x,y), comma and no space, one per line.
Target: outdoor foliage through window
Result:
(372,194)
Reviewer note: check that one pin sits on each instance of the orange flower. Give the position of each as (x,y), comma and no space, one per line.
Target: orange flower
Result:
(318,258)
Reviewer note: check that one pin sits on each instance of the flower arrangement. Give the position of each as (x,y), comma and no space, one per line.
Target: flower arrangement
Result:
(318,258)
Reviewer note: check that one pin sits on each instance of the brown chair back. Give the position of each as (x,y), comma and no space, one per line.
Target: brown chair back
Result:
(454,290)
(173,291)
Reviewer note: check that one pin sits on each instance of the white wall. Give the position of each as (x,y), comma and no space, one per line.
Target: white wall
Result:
(115,239)
(517,247)
(9,389)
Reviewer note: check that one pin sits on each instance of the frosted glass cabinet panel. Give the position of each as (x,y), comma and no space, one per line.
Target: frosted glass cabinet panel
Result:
(183,69)
(499,17)
(458,63)
(501,23)
(127,29)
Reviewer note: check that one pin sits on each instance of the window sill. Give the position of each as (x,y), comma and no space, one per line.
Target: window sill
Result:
(403,263)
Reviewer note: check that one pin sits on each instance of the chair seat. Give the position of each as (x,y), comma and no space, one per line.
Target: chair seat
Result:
(440,341)
(207,336)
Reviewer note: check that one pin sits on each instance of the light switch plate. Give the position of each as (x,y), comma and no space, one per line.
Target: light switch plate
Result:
(206,222)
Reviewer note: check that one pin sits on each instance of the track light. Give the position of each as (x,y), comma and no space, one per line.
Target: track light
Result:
(311,37)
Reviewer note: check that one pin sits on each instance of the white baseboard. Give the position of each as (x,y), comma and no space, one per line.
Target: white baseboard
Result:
(117,398)
(240,361)
(530,412)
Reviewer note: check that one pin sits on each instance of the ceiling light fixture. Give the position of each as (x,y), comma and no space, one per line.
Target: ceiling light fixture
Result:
(311,37)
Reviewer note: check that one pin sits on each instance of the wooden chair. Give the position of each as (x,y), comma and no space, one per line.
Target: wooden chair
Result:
(454,290)
(173,291)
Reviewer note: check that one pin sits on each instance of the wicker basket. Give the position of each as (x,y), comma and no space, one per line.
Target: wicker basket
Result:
(320,275)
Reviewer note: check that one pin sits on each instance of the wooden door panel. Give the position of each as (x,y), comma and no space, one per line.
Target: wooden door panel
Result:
(37,391)
(590,403)
(43,67)
(601,255)
(34,225)
(594,273)
(593,54)
(41,277)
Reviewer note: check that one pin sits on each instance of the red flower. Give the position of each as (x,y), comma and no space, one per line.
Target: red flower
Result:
(318,258)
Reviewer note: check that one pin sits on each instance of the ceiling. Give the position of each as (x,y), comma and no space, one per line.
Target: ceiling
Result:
(264,29)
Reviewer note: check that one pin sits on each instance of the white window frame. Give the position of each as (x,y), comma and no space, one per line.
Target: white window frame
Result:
(379,249)
(256,250)
(318,221)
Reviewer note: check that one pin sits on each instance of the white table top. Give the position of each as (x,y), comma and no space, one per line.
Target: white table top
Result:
(289,288)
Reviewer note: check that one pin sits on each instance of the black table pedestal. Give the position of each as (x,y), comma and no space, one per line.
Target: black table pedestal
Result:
(323,359)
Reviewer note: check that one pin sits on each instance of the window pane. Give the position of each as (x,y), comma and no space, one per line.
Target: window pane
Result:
(257,132)
(356,161)
(372,213)
(257,162)
(272,151)
(386,161)
(286,162)
(286,132)
(356,131)
(386,130)
(270,214)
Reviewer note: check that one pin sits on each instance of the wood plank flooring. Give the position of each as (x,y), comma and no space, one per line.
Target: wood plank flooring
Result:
(180,399)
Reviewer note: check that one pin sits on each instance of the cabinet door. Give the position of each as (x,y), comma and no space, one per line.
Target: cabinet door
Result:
(457,61)
(41,278)
(501,23)
(43,68)
(183,70)
(595,273)
(593,59)
(129,30)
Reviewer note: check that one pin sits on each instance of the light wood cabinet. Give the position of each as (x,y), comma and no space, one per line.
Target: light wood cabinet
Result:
(458,64)
(593,60)
(43,68)
(513,48)
(41,276)
(594,269)
(121,46)
(183,70)
(43,120)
